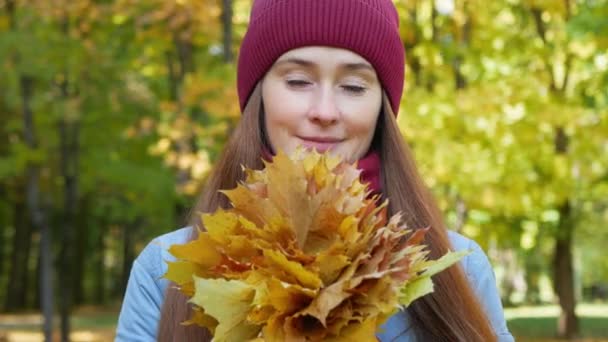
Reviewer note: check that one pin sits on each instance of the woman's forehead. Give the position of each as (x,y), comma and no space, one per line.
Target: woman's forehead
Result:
(321,55)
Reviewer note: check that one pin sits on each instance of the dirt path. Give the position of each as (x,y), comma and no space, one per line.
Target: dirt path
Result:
(102,335)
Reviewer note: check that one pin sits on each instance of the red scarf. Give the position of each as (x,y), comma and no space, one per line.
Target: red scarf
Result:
(369,165)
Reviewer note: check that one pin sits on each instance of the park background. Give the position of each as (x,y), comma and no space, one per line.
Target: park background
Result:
(112,113)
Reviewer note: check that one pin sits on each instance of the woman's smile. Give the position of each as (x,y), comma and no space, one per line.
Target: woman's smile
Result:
(320,143)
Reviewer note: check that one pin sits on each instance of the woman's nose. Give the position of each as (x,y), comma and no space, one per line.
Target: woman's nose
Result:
(324,110)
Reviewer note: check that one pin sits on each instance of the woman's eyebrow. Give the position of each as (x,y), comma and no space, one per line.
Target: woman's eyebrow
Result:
(358,66)
(307,63)
(297,61)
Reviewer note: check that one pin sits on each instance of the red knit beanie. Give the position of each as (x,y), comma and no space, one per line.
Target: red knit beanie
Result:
(369,28)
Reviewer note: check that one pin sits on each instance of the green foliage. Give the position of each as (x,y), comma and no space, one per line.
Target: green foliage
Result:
(487,145)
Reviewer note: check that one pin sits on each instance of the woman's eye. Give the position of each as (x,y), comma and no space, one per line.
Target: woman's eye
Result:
(354,89)
(297,83)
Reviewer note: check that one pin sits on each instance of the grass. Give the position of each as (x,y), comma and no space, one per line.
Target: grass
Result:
(540,322)
(88,325)
(99,321)
(87,319)
(535,323)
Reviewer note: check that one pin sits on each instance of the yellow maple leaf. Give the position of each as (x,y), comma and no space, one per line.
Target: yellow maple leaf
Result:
(229,303)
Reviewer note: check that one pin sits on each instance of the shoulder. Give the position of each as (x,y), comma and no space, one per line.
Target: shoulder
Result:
(479,271)
(175,237)
(460,242)
(142,303)
(153,258)
(474,264)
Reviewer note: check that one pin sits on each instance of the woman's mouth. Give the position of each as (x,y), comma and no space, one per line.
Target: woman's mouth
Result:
(321,144)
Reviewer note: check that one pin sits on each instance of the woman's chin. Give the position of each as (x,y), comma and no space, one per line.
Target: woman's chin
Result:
(320,147)
(332,149)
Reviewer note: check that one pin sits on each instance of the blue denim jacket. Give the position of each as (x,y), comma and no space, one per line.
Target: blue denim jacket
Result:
(138,320)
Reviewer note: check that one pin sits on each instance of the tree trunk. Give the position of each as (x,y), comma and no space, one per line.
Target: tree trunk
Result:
(37,212)
(69,139)
(185,55)
(460,82)
(35,208)
(563,271)
(46,275)
(172,76)
(227,30)
(127,254)
(81,256)
(412,59)
(12,19)
(15,298)
(431,79)
(4,222)
(563,275)
(38,282)
(68,133)
(99,255)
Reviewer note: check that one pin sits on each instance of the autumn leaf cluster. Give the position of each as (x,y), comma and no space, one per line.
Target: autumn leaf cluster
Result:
(303,254)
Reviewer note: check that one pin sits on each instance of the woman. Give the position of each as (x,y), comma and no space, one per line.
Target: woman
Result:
(326,74)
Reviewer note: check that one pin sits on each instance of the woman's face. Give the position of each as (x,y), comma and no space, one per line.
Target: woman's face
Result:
(322,98)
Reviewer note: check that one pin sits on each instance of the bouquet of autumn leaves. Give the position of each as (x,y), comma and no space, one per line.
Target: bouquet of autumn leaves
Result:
(302,255)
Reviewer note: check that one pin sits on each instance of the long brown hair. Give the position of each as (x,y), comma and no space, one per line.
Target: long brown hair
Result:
(451,313)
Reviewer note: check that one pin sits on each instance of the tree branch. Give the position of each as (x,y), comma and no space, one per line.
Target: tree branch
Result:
(567,69)
(227,30)
(541,30)
(10,8)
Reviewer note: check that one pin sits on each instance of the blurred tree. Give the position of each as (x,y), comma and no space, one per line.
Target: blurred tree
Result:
(501,122)
(29,210)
